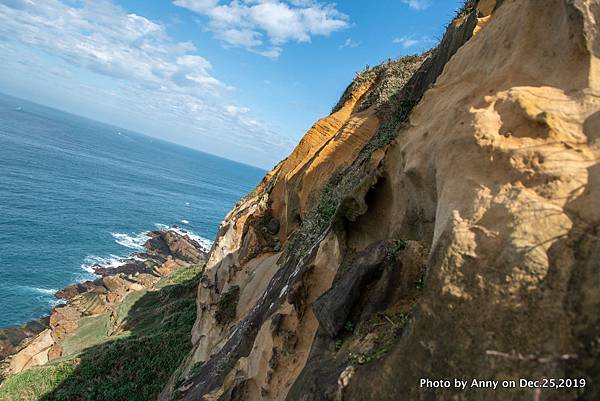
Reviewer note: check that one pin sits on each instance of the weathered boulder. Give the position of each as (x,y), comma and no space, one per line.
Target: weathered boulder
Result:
(35,353)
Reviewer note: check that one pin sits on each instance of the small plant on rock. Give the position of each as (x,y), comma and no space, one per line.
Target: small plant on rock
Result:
(399,246)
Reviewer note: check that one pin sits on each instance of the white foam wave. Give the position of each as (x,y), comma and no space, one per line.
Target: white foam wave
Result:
(44,295)
(91,262)
(134,241)
(56,302)
(45,291)
(184,221)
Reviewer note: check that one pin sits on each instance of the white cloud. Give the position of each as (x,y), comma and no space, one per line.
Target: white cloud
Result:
(235,110)
(411,41)
(273,53)
(132,62)
(417,4)
(104,38)
(264,26)
(349,43)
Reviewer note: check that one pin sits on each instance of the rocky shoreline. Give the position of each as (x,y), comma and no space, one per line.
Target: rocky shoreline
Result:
(39,341)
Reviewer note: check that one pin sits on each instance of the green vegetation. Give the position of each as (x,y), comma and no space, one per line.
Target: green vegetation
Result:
(467,8)
(318,219)
(227,305)
(393,107)
(134,365)
(34,383)
(196,369)
(349,327)
(420,283)
(399,246)
(391,78)
(388,329)
(249,195)
(93,330)
(362,77)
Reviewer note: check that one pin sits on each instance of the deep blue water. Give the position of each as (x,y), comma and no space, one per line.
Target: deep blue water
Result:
(74,192)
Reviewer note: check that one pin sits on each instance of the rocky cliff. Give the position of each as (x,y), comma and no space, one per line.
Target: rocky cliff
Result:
(441,223)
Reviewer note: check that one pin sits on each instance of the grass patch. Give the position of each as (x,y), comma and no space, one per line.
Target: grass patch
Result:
(34,383)
(362,77)
(93,330)
(155,339)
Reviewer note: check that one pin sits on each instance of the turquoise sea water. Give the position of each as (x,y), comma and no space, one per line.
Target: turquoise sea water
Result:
(74,192)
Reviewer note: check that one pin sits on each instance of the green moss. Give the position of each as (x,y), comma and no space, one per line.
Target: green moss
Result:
(133,367)
(227,305)
(399,246)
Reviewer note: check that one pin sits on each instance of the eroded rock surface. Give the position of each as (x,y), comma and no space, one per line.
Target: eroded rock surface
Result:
(441,222)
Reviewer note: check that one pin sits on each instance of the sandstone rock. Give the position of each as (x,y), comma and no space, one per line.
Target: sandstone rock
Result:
(72,291)
(35,354)
(63,320)
(11,339)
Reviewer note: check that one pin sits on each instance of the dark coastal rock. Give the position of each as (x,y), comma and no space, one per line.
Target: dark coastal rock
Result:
(168,242)
(130,266)
(334,306)
(156,245)
(72,291)
(11,338)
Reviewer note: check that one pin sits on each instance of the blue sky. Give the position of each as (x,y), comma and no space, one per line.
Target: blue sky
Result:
(240,79)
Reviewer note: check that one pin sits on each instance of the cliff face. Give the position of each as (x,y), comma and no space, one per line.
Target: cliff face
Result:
(442,222)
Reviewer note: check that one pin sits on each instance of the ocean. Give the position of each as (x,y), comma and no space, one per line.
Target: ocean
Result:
(75,192)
